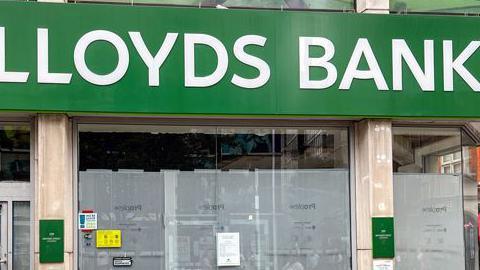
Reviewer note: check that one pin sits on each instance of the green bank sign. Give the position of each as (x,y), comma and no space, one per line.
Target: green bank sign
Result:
(182,61)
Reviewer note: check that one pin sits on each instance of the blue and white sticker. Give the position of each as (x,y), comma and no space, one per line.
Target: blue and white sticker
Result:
(87,221)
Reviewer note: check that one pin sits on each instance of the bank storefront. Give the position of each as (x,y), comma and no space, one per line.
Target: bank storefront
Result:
(149,137)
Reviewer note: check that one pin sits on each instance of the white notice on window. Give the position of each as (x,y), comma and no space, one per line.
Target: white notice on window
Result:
(382,264)
(228,249)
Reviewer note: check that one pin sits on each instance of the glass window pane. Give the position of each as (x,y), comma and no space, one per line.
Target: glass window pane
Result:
(428,199)
(126,147)
(14,153)
(313,148)
(447,158)
(438,6)
(424,150)
(248,149)
(285,191)
(125,174)
(457,168)
(21,235)
(312,201)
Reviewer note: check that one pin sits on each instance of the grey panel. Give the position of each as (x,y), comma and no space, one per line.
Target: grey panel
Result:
(21,235)
(288,219)
(248,198)
(428,222)
(191,217)
(130,202)
(312,219)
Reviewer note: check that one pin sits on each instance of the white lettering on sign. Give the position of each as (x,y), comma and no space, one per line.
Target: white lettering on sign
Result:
(44,76)
(9,76)
(400,50)
(153,63)
(306,62)
(191,80)
(123,57)
(457,65)
(374,72)
(242,56)
(154,60)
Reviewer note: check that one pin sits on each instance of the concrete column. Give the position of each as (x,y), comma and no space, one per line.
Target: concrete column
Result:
(374,182)
(373,6)
(54,186)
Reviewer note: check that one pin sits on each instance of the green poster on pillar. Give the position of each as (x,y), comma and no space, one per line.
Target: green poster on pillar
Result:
(383,238)
(51,241)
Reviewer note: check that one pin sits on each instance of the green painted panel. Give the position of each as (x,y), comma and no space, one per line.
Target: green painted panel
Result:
(280,96)
(383,237)
(51,241)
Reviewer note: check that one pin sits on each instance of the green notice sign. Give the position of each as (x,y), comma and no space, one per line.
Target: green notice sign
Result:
(383,238)
(189,61)
(51,241)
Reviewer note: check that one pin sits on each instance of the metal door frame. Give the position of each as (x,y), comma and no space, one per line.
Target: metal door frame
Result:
(20,192)
(8,226)
(4,232)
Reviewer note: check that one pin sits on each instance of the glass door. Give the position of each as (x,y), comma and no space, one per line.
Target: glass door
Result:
(14,235)
(16,252)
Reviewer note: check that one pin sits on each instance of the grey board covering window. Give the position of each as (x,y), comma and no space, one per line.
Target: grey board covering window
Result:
(171,190)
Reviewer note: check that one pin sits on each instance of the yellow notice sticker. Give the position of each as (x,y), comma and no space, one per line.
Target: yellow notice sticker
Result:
(109,238)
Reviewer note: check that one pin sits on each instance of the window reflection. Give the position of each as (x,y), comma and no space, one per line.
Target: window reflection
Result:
(427,150)
(149,151)
(246,149)
(313,149)
(450,6)
(14,153)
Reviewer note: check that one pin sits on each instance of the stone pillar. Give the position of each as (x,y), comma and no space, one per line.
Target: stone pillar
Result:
(374,182)
(373,6)
(54,181)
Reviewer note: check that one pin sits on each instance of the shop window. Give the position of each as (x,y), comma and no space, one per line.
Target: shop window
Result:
(14,153)
(173,191)
(451,163)
(435,200)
